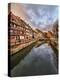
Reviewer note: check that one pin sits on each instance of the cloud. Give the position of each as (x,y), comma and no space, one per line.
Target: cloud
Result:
(41,15)
(36,15)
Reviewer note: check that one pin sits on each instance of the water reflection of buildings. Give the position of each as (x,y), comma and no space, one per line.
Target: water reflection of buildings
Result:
(19,31)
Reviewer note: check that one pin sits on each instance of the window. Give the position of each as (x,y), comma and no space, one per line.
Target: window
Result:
(18,38)
(20,32)
(11,25)
(14,25)
(11,31)
(26,26)
(21,37)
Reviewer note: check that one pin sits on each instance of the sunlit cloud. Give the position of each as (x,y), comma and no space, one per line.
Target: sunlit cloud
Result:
(41,15)
(38,16)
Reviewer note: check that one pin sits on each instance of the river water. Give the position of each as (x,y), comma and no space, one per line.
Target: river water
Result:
(39,61)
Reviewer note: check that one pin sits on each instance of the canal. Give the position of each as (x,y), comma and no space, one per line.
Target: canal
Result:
(40,60)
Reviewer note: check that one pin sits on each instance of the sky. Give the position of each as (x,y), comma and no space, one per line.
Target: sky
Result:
(38,16)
